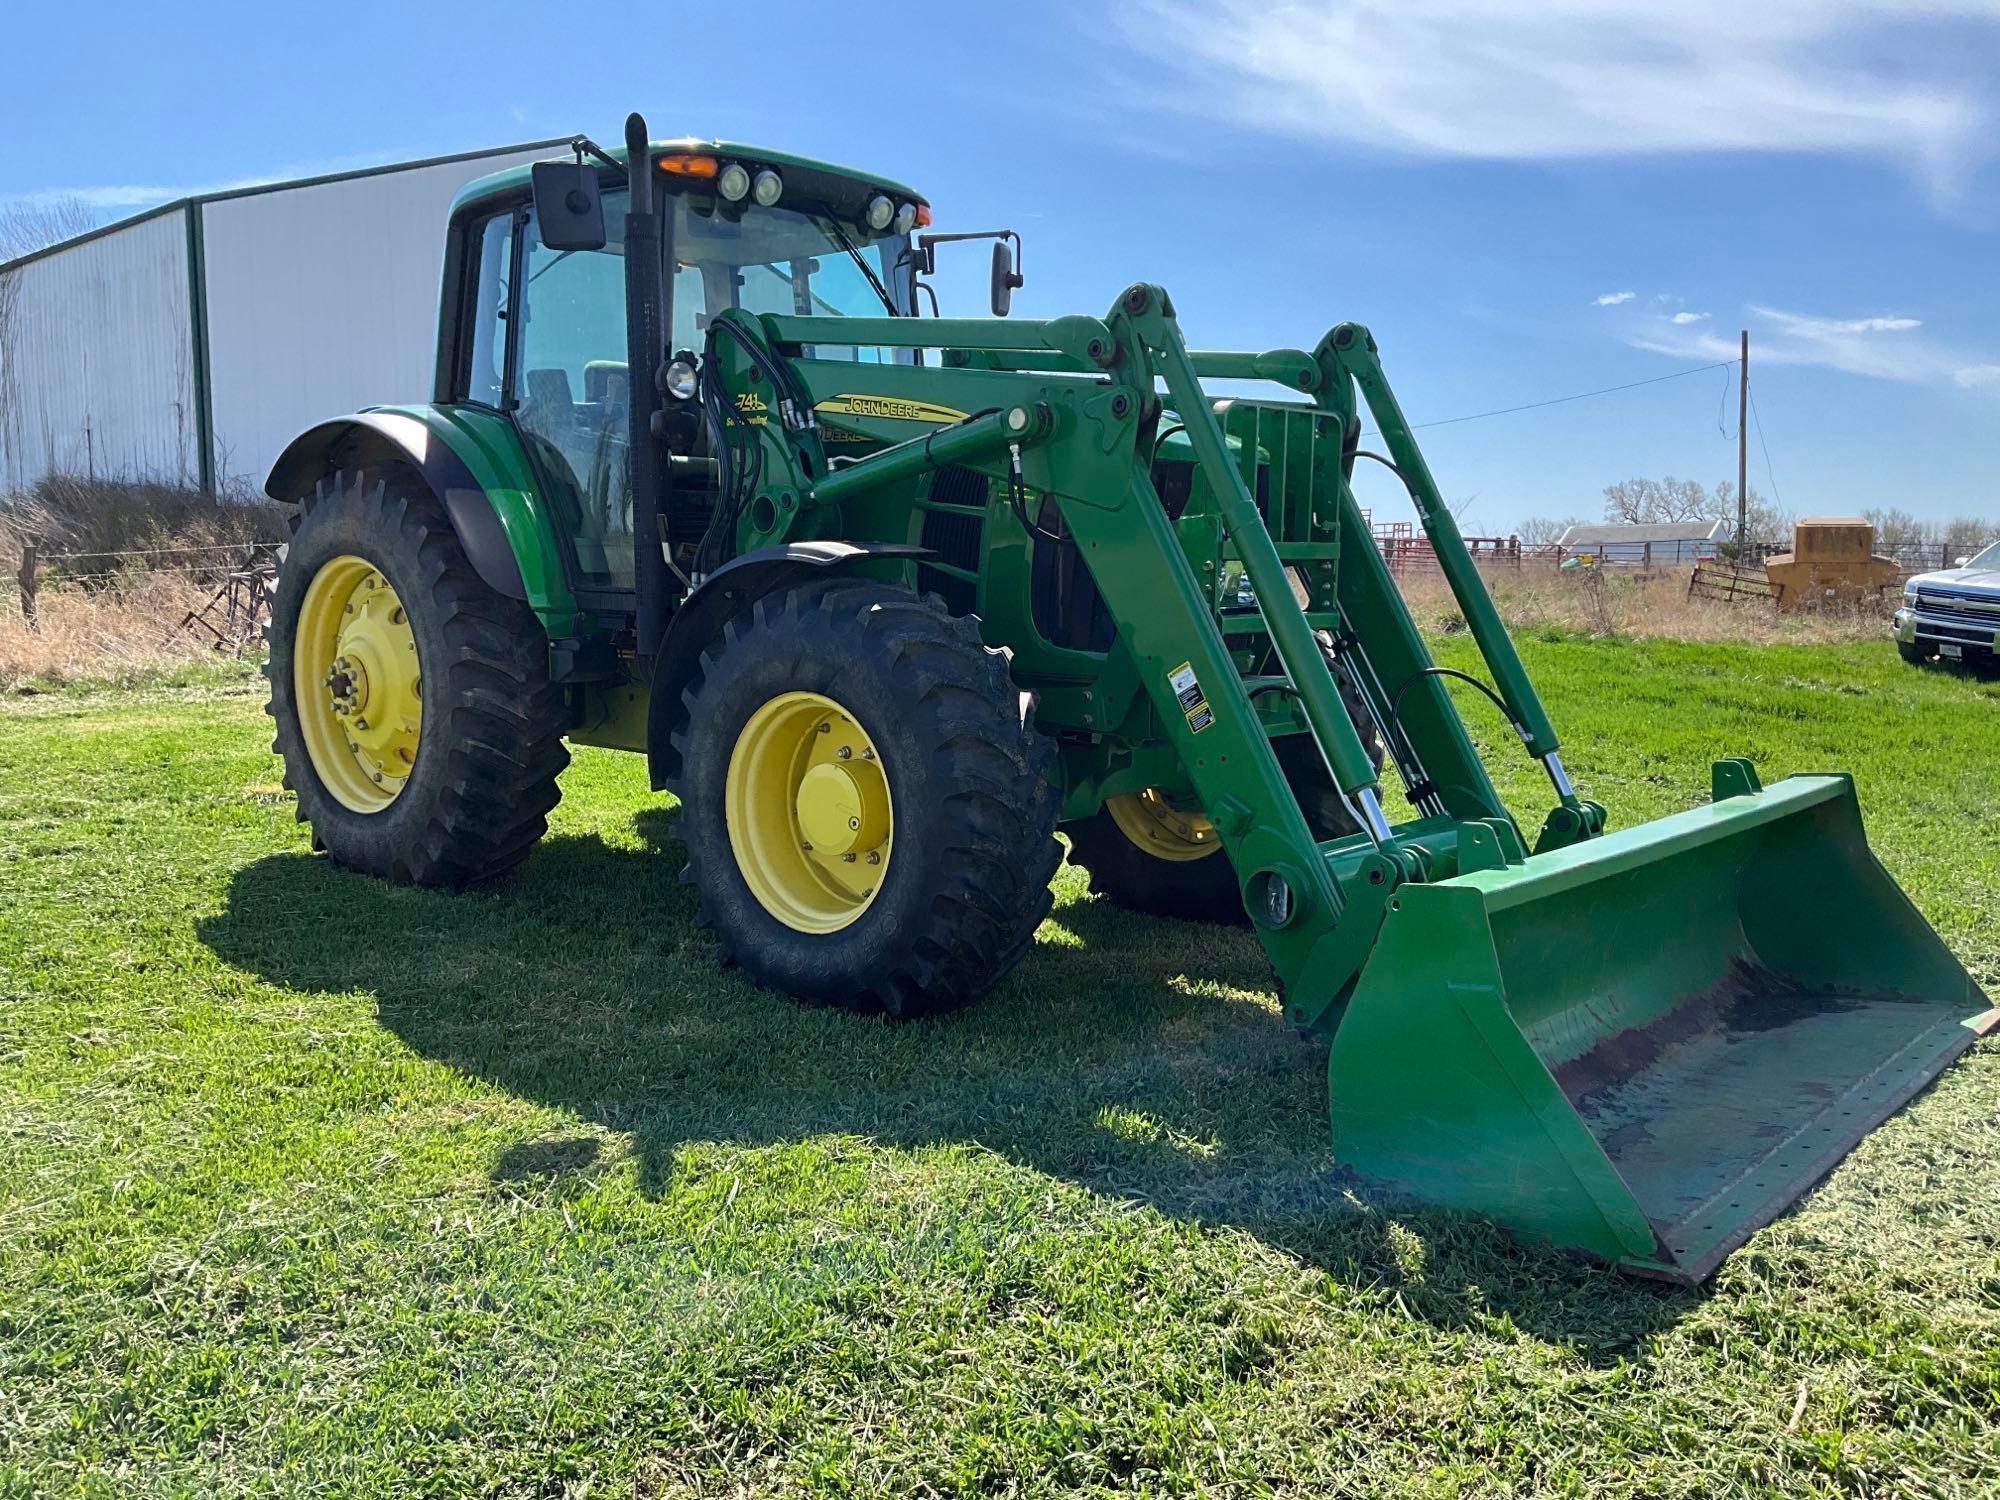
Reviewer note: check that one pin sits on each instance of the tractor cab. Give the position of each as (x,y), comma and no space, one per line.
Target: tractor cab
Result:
(536,319)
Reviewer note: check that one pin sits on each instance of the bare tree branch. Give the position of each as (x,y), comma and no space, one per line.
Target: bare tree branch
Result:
(28,227)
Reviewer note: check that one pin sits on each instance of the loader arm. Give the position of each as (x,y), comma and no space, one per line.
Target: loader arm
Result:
(1652,1100)
(1084,443)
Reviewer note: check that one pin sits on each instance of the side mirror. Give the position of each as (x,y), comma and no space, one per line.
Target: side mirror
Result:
(1959,562)
(569,214)
(1005,278)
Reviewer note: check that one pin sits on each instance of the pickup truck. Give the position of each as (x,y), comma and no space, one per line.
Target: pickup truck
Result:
(1953,613)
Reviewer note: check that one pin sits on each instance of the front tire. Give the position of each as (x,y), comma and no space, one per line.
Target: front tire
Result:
(414,711)
(1912,653)
(869,824)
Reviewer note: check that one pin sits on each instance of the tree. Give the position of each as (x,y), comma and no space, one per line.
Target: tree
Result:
(1651,502)
(1964,535)
(28,227)
(1645,502)
(1541,531)
(1763,521)
(1895,527)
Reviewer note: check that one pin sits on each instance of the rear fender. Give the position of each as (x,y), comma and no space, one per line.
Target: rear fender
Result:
(472,460)
(730,589)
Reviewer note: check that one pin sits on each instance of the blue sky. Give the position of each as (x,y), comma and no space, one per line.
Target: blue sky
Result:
(1483,182)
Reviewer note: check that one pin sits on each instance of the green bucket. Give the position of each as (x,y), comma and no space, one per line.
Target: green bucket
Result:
(1647,1045)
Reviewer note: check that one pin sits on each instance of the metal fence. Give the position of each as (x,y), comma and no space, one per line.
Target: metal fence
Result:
(1406,550)
(240,578)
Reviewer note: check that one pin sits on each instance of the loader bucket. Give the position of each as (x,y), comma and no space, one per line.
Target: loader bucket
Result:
(1651,1043)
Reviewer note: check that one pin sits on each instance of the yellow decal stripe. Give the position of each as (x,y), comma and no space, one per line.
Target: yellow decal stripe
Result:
(891,408)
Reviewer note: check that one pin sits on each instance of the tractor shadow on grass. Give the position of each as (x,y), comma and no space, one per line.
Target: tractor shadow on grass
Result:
(1138,1058)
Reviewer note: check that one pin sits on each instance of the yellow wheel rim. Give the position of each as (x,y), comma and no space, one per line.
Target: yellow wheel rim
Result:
(1164,831)
(357,684)
(810,818)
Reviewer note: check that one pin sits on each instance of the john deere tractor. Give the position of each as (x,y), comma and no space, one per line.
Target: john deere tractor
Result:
(886,599)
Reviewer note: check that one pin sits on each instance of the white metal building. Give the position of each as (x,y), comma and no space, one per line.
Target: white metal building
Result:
(190,343)
(1658,543)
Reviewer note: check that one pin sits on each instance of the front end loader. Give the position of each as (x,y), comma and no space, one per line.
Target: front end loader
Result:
(886,599)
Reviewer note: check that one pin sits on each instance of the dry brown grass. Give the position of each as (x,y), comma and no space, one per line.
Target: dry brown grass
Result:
(128,629)
(65,514)
(122,564)
(1590,602)
(116,634)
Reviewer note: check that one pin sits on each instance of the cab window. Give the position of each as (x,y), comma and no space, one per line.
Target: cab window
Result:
(571,390)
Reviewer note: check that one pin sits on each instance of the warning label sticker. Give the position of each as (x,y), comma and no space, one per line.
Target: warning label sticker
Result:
(1187,689)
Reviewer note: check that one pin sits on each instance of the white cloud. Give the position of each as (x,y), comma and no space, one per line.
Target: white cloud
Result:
(1612,299)
(1829,328)
(1685,318)
(1883,347)
(1545,79)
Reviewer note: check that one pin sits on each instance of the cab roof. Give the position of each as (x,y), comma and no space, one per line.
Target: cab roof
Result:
(513,179)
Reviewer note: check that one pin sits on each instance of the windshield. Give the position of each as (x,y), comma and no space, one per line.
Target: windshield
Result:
(781,260)
(1990,558)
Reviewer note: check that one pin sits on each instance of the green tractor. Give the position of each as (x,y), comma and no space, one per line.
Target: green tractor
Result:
(887,599)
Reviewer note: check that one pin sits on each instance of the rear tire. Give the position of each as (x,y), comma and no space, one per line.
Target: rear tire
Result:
(481,734)
(948,795)
(1138,859)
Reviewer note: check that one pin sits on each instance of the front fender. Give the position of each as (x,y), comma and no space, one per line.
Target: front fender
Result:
(472,460)
(732,587)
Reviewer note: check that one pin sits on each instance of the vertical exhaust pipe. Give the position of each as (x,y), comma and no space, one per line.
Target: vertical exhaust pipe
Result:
(645,349)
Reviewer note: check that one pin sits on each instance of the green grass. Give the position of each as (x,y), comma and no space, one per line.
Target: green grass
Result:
(312,1185)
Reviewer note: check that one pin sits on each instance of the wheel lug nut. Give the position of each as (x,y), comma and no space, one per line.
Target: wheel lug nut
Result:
(847,859)
(847,752)
(874,857)
(867,754)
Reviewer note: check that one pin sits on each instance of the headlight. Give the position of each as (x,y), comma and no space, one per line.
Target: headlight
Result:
(906,218)
(733,181)
(1910,591)
(680,381)
(766,188)
(880,212)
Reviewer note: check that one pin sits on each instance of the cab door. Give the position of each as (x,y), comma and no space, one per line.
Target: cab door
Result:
(571,389)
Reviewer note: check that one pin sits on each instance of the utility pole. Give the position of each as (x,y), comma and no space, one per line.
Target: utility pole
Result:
(1742,447)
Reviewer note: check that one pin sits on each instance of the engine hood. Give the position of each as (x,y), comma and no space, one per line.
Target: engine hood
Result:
(1970,580)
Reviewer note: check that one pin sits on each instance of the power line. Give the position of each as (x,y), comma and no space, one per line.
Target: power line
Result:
(1608,390)
(1758,423)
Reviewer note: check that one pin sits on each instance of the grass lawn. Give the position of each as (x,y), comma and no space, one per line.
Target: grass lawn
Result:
(312,1185)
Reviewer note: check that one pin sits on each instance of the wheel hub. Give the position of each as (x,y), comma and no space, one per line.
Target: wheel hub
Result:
(360,691)
(840,812)
(811,819)
(1150,820)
